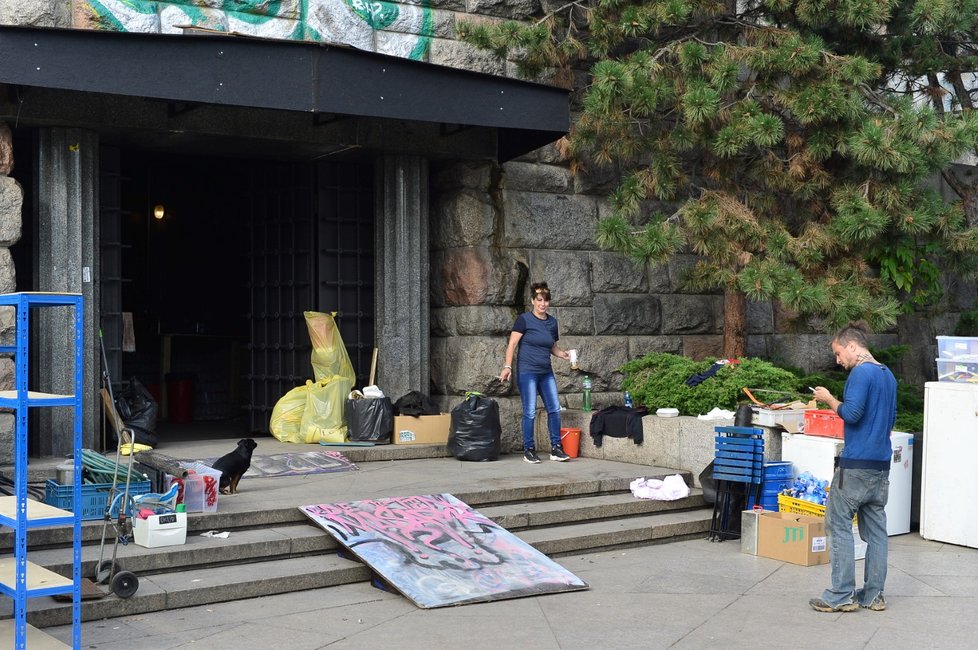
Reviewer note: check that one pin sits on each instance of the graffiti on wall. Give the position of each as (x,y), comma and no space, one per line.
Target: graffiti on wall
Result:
(437,551)
(399,29)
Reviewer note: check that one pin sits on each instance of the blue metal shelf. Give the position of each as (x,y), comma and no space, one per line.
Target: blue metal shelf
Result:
(15,511)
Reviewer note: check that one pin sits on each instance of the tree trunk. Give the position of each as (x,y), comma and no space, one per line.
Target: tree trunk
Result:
(734,324)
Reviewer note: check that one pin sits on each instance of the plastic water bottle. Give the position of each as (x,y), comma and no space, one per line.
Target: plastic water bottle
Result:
(586,403)
(628,399)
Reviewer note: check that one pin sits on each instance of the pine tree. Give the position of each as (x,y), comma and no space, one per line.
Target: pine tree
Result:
(793,137)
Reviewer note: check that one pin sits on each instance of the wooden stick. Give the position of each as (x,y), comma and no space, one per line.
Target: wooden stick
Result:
(373,368)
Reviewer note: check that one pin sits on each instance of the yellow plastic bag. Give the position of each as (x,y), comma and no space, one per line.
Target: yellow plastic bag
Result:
(324,418)
(287,414)
(329,356)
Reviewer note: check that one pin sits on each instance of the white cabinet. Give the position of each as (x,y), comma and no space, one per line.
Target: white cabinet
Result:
(948,506)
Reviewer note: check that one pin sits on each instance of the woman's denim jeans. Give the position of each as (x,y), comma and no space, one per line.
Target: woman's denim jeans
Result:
(863,492)
(546,385)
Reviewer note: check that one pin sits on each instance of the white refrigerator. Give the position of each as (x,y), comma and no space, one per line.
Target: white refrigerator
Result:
(816,455)
(948,508)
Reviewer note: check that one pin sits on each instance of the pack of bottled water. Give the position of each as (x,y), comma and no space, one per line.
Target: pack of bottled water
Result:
(808,488)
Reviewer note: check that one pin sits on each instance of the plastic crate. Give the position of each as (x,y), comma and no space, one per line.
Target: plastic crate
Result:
(957,348)
(823,422)
(94,496)
(800,507)
(777,469)
(965,372)
(789,418)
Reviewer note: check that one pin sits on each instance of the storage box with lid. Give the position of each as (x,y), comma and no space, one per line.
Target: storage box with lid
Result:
(957,359)
(165,529)
(957,348)
(201,487)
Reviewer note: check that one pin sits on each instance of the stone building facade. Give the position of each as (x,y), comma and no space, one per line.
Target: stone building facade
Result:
(494,228)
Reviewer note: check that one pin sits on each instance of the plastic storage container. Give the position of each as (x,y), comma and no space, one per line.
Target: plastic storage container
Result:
(789,418)
(957,348)
(823,422)
(200,489)
(167,529)
(958,371)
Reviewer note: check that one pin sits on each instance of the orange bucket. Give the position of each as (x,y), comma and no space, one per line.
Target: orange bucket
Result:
(570,440)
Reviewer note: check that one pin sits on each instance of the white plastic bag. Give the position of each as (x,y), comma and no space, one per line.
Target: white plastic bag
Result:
(670,489)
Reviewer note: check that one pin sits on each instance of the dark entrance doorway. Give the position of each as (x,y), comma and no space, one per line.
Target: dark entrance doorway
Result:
(207,265)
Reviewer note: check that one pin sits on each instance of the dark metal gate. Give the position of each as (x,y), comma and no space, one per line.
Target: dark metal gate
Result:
(311,249)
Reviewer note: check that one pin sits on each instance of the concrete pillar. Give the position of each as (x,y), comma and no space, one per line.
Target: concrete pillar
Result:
(66,199)
(402,275)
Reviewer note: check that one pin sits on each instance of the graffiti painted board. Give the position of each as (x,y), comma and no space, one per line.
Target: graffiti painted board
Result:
(437,551)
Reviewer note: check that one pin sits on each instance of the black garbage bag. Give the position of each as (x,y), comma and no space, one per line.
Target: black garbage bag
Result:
(138,411)
(475,430)
(415,403)
(370,419)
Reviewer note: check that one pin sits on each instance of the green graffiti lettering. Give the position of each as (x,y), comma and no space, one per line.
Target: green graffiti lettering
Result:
(377,14)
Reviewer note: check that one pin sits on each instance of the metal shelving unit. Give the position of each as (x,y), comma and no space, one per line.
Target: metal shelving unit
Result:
(19,578)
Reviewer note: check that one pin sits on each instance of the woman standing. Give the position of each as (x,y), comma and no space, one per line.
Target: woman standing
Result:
(535,333)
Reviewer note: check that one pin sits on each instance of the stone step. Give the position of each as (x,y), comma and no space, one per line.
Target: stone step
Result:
(203,586)
(280,550)
(519,516)
(193,586)
(241,547)
(616,533)
(257,544)
(229,518)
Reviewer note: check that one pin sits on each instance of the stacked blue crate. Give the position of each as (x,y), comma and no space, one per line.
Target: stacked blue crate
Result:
(777,476)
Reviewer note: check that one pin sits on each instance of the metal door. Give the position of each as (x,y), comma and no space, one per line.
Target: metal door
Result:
(311,249)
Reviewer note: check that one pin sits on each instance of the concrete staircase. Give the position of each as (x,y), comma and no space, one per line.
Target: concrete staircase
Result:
(279,550)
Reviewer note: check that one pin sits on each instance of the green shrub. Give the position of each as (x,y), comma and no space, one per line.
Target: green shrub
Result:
(658,380)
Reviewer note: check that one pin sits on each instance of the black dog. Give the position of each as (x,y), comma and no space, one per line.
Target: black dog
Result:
(233,465)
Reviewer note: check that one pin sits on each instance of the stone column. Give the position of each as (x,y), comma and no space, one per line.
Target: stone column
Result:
(11,204)
(402,275)
(66,200)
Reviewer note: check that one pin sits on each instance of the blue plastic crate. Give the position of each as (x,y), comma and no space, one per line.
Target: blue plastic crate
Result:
(94,496)
(778,469)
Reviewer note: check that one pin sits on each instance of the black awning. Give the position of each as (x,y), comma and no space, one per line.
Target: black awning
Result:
(283,75)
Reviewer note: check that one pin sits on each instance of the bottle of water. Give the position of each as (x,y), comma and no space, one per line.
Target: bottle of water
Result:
(586,403)
(628,399)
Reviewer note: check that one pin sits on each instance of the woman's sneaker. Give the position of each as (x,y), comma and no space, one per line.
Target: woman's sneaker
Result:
(530,456)
(557,454)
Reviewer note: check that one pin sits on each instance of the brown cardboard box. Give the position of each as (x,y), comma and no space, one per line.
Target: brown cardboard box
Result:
(794,538)
(421,429)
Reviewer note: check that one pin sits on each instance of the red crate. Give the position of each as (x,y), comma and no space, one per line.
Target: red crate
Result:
(823,422)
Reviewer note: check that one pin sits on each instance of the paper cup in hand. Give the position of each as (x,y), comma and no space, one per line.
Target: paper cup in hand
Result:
(572,355)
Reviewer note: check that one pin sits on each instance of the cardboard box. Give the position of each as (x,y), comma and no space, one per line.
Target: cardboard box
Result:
(789,537)
(748,531)
(421,429)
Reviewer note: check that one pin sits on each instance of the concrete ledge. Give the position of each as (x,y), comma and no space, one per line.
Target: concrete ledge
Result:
(684,443)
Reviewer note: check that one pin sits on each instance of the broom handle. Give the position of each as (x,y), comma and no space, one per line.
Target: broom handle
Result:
(373,368)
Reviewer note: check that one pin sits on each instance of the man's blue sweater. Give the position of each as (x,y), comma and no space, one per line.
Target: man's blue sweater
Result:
(868,409)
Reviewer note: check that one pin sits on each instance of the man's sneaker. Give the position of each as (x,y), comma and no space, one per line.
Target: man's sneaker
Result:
(820,605)
(530,456)
(878,605)
(557,454)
